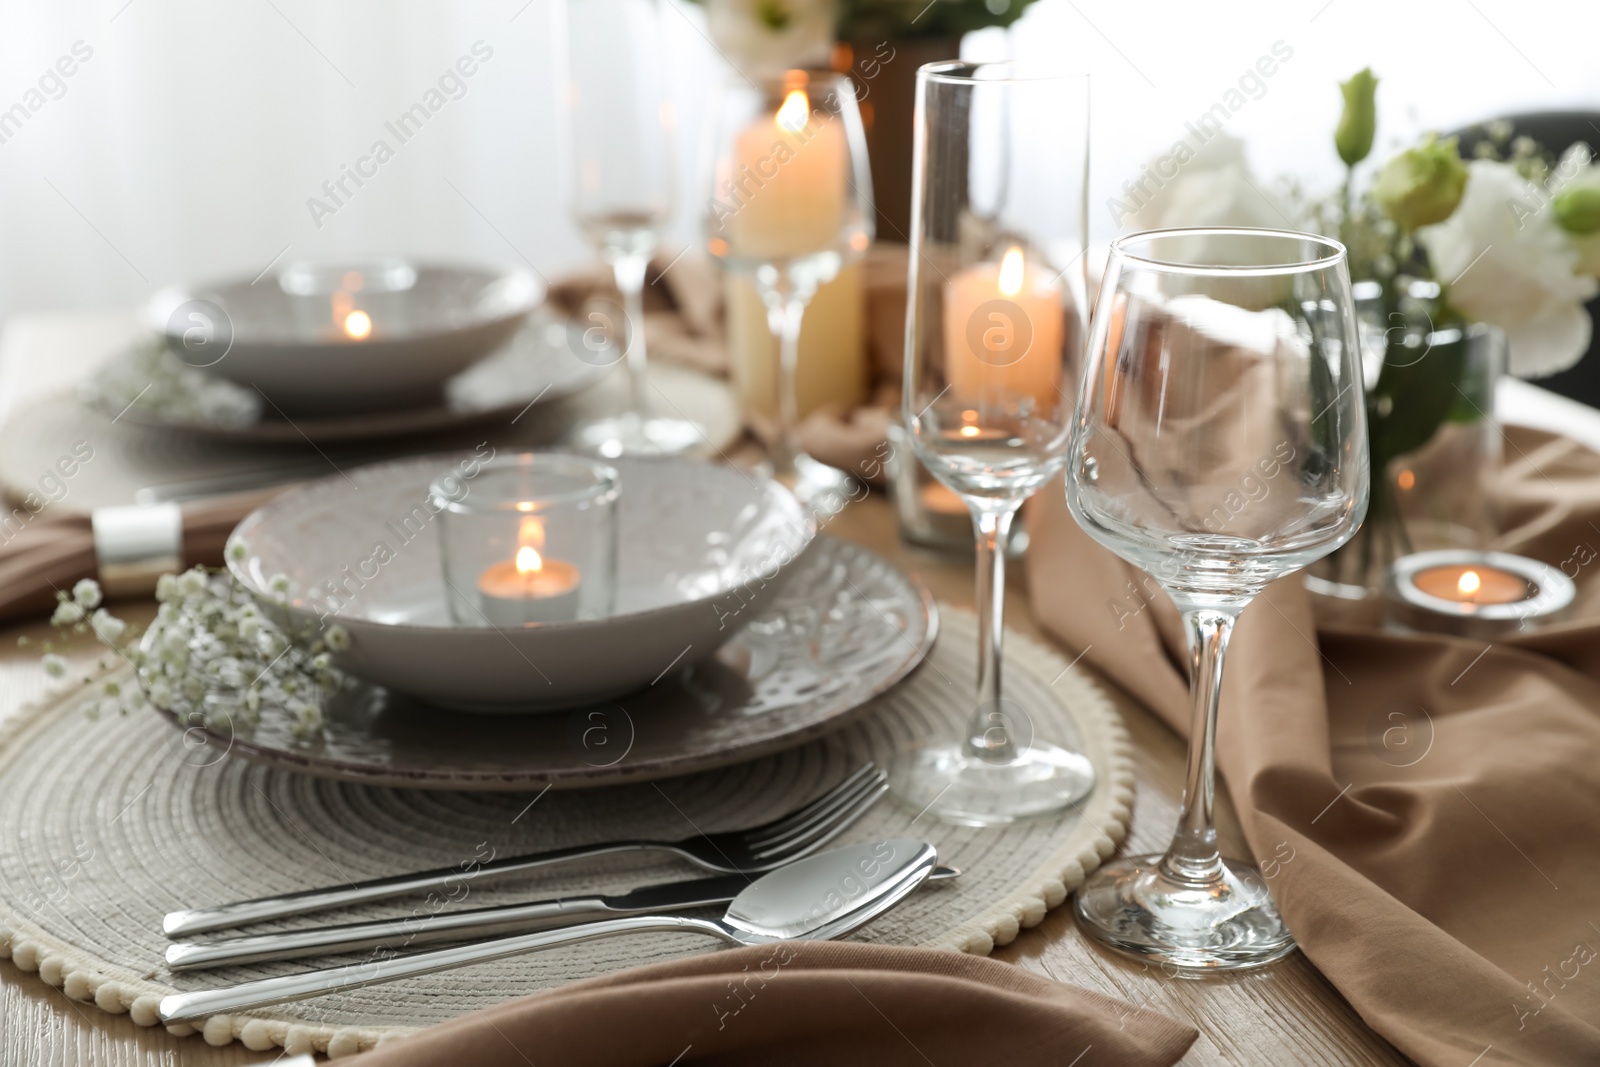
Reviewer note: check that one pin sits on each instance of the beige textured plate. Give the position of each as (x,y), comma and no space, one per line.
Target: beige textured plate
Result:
(846,627)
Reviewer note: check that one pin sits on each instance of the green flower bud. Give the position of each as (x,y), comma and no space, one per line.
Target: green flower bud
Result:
(1422,185)
(1359,121)
(1577,208)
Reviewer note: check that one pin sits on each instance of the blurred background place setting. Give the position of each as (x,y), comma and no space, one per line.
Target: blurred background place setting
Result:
(766,531)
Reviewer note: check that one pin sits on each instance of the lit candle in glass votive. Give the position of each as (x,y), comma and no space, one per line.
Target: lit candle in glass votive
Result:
(1003,324)
(530,587)
(1474,594)
(790,182)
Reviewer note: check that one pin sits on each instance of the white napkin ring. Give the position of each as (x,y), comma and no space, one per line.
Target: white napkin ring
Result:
(135,545)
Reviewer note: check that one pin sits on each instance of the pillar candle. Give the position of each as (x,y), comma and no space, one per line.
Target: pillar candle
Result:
(1003,326)
(789,190)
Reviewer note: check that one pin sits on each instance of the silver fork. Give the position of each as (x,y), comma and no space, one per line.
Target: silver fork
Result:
(750,851)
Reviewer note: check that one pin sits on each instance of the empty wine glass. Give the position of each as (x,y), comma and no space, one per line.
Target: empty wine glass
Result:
(995,325)
(620,125)
(789,203)
(1220,445)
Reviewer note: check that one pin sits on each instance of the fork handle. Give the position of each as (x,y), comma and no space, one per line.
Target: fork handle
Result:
(262,909)
(180,1006)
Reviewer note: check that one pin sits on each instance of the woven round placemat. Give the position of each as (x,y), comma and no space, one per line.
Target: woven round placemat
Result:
(107,828)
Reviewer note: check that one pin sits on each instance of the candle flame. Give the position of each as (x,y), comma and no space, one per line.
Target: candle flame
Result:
(358,325)
(1011,272)
(1469,583)
(1407,479)
(794,113)
(528,560)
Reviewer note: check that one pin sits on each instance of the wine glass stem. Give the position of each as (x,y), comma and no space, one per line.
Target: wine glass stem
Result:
(1192,857)
(629,271)
(987,736)
(784,314)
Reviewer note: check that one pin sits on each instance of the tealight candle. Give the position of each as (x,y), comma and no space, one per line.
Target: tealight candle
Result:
(530,588)
(1474,594)
(527,539)
(1003,324)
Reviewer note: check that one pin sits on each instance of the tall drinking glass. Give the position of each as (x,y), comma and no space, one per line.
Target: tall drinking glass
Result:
(789,204)
(1220,445)
(995,325)
(620,125)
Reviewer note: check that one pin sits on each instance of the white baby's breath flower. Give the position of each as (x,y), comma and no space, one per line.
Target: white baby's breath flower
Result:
(166,587)
(338,638)
(237,551)
(87,594)
(107,627)
(67,612)
(55,665)
(278,583)
(191,583)
(1505,261)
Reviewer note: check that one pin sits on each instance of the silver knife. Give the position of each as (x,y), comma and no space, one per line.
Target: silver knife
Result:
(401,933)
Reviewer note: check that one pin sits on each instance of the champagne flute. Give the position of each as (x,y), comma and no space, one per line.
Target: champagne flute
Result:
(620,130)
(1220,445)
(789,204)
(995,324)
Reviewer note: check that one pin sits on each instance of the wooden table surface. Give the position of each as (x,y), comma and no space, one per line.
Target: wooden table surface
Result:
(1285,1014)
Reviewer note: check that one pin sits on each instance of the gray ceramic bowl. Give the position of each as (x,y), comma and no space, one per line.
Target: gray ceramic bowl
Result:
(698,545)
(258,334)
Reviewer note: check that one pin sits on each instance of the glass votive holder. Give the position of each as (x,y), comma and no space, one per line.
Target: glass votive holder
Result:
(532,538)
(350,301)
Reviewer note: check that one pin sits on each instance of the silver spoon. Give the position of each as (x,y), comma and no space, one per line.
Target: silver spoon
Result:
(818,898)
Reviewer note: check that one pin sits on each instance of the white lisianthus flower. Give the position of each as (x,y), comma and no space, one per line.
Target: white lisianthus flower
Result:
(1504,260)
(763,37)
(1213,187)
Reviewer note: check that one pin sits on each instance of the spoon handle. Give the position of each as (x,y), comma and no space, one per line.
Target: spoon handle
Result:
(181,1006)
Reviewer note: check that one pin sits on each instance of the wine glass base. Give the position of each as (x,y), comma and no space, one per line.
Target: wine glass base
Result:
(629,435)
(955,787)
(811,479)
(1132,906)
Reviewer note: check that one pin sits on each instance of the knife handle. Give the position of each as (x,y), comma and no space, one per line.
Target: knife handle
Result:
(181,1006)
(263,909)
(392,934)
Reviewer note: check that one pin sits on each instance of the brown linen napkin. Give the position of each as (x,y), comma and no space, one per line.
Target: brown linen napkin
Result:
(841,1004)
(42,553)
(1427,809)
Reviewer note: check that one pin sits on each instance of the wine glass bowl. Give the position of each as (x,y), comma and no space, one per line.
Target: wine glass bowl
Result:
(1220,444)
(620,134)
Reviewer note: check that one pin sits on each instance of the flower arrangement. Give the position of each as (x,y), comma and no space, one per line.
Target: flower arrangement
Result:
(1511,238)
(764,36)
(1453,260)
(213,656)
